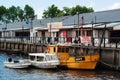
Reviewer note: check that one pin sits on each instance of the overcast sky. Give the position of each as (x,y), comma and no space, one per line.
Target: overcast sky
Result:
(40,5)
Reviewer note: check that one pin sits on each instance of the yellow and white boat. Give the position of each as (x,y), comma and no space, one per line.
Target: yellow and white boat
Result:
(71,58)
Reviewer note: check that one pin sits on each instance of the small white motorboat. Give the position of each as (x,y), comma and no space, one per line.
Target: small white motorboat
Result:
(22,63)
(44,60)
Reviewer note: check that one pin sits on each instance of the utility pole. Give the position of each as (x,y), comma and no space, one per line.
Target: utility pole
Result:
(78,25)
(92,35)
(50,33)
(82,26)
(31,30)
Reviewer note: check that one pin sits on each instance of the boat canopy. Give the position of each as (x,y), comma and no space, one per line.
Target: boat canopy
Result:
(39,54)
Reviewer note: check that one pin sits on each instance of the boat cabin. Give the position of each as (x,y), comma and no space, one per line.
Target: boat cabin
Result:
(42,57)
(64,50)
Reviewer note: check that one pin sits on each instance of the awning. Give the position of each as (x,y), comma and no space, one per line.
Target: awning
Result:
(115,26)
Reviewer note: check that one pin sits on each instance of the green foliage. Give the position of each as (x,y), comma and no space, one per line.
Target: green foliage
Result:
(16,13)
(12,13)
(53,11)
(3,12)
(20,14)
(66,11)
(29,12)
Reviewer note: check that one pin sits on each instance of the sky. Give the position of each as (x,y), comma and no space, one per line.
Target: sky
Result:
(40,5)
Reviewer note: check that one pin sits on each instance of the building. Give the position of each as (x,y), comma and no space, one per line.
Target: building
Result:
(91,24)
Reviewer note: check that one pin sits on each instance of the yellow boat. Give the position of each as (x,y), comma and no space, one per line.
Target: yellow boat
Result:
(71,58)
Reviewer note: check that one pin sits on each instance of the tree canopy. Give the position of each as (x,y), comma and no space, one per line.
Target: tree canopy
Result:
(16,13)
(53,11)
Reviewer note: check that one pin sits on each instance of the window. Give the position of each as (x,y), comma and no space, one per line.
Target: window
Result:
(54,49)
(39,58)
(32,57)
(64,49)
(59,49)
(89,33)
(67,50)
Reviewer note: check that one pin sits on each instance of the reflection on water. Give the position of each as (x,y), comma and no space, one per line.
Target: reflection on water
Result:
(95,75)
(54,74)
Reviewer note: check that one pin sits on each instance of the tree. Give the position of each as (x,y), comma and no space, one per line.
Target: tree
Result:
(66,11)
(52,11)
(16,13)
(78,9)
(12,13)
(20,14)
(3,12)
(28,12)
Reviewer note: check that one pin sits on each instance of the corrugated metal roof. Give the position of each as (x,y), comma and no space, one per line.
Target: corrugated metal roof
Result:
(109,16)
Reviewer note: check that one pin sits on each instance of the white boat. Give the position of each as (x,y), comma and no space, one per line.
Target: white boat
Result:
(17,63)
(44,60)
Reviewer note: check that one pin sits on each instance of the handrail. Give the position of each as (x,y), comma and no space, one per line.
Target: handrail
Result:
(107,42)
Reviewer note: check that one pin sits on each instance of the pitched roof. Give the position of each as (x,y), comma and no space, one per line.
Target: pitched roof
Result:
(108,16)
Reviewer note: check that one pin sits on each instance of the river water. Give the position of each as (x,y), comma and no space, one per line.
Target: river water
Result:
(54,74)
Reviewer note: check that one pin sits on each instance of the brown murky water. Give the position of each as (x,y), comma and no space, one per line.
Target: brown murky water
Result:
(54,74)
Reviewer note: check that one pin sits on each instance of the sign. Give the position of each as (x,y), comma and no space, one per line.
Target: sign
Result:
(79,58)
(64,33)
(85,39)
(54,26)
(27,21)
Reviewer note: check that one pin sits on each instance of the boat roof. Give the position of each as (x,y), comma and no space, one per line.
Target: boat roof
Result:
(39,54)
(61,44)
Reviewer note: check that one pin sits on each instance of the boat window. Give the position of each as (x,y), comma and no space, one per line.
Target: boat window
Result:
(54,49)
(47,58)
(63,49)
(54,57)
(67,50)
(32,57)
(59,49)
(39,58)
(16,61)
(51,58)
(74,51)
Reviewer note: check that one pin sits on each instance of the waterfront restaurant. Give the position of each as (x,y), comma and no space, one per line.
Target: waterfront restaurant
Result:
(66,28)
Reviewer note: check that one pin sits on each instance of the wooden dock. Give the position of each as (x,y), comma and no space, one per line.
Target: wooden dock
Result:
(110,57)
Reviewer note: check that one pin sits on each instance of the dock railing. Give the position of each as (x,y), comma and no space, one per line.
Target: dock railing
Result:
(112,42)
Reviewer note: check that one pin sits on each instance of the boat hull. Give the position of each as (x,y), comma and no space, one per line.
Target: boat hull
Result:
(82,65)
(81,62)
(45,65)
(16,65)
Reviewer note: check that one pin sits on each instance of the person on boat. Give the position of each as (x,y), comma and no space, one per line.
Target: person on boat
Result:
(56,39)
(77,40)
(10,59)
(49,39)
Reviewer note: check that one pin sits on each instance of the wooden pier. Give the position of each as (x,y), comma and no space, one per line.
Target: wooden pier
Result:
(110,57)
(21,47)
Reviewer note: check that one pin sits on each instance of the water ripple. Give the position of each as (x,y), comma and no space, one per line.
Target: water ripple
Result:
(55,74)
